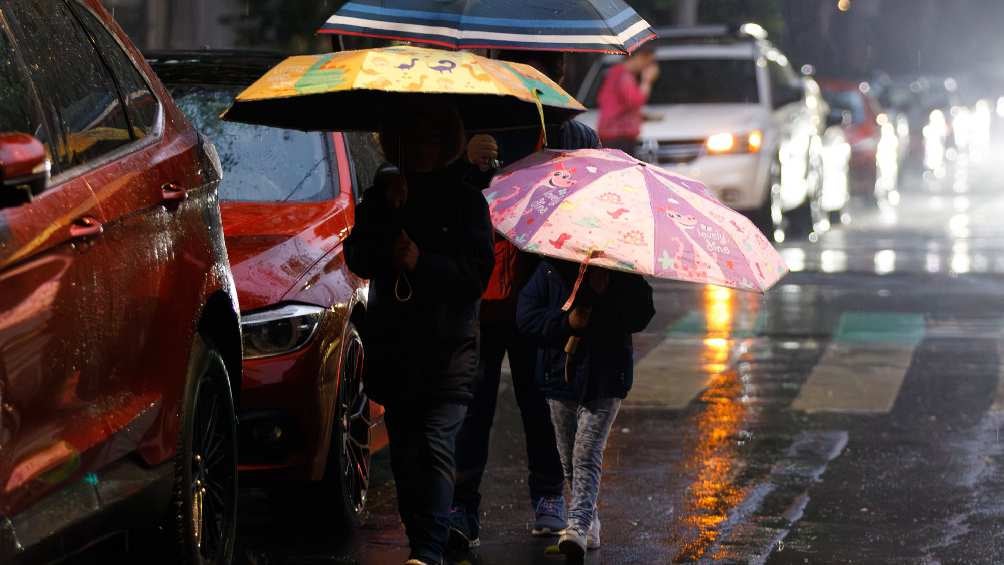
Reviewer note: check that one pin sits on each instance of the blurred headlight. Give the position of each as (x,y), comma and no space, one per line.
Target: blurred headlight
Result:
(278,331)
(723,143)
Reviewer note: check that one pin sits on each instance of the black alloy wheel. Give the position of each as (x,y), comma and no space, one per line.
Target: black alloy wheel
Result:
(205,491)
(348,472)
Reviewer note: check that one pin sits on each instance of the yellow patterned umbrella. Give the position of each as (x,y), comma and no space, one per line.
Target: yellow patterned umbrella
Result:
(352,90)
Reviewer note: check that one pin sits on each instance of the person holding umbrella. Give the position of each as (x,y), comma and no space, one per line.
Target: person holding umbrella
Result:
(426,247)
(499,337)
(584,388)
(602,220)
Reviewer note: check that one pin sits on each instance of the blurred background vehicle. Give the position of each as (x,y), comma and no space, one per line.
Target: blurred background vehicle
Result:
(729,110)
(120,353)
(871,134)
(288,202)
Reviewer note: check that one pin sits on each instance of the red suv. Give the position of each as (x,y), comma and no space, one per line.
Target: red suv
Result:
(119,334)
(288,202)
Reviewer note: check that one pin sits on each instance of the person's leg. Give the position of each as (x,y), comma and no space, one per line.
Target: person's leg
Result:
(594,422)
(564,414)
(404,448)
(473,440)
(434,468)
(543,462)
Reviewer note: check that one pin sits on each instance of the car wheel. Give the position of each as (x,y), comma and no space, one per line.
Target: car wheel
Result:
(204,499)
(348,471)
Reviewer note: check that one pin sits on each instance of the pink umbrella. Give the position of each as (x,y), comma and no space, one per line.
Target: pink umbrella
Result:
(605,208)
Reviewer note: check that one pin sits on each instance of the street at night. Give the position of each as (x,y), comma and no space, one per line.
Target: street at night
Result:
(501,282)
(853,415)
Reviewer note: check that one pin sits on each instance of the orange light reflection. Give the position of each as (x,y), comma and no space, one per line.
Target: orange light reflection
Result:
(712,459)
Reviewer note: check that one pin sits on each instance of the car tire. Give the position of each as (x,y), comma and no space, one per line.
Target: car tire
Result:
(204,496)
(347,474)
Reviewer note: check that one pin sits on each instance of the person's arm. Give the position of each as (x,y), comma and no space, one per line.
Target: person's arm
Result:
(368,249)
(633,94)
(536,317)
(465,274)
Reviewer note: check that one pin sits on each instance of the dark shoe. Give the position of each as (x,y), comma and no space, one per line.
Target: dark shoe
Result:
(465,529)
(549,516)
(572,545)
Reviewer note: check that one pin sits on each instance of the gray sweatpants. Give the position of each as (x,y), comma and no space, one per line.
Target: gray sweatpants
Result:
(581,431)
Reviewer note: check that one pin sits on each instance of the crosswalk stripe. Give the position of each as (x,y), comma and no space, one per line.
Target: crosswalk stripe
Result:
(865,365)
(675,372)
(998,404)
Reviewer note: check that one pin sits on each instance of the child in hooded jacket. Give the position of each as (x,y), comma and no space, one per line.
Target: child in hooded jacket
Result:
(584,388)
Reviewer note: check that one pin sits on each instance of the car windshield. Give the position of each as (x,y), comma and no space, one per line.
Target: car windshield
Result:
(260,164)
(846,101)
(706,81)
(697,81)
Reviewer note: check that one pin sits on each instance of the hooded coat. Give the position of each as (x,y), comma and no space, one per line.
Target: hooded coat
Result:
(425,347)
(603,365)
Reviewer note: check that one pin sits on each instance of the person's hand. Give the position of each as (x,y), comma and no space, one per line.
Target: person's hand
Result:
(599,280)
(397,191)
(482,150)
(650,73)
(578,318)
(405,257)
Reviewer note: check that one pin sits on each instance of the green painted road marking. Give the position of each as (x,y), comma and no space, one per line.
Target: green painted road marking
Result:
(863,368)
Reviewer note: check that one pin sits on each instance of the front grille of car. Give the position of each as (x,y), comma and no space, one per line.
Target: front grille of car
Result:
(674,152)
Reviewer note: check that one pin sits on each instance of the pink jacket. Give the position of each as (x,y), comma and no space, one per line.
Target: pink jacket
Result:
(620,100)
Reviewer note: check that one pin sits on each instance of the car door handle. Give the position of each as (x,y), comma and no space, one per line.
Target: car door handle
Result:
(86,226)
(171,192)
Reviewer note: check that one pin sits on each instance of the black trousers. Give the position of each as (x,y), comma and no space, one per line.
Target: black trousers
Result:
(422,443)
(544,466)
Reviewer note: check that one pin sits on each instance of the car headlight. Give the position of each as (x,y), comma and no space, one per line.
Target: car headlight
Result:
(725,143)
(280,330)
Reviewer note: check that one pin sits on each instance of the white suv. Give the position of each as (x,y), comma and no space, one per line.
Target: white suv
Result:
(729,111)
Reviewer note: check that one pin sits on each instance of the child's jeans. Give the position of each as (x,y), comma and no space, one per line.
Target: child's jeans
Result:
(581,431)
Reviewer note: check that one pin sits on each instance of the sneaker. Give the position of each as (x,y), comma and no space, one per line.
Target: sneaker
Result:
(550,516)
(593,537)
(464,529)
(572,545)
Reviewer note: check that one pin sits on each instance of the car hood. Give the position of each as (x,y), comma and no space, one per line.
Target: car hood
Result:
(271,246)
(697,121)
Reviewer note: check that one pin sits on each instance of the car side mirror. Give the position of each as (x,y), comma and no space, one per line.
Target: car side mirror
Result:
(24,169)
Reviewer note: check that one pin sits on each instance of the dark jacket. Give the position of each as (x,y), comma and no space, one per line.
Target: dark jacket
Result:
(513,146)
(603,366)
(426,347)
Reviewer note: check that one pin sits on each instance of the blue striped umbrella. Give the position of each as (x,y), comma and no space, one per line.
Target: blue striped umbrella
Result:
(599,26)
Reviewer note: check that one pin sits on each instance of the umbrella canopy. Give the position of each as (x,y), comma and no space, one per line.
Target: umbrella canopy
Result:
(617,212)
(352,90)
(599,26)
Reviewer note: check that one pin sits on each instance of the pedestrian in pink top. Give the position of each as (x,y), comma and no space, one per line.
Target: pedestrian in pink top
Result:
(622,98)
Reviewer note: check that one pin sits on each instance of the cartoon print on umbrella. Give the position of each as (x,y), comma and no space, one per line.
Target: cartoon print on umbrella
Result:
(546,198)
(697,242)
(320,77)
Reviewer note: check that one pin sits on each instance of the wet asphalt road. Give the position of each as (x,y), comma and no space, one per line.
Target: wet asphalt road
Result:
(853,415)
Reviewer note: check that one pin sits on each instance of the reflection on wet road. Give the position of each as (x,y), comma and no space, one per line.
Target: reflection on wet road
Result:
(851,415)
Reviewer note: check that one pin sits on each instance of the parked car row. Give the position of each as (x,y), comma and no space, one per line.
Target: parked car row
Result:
(149,306)
(787,150)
